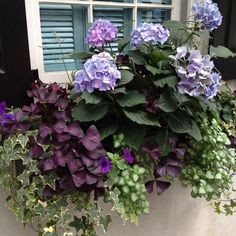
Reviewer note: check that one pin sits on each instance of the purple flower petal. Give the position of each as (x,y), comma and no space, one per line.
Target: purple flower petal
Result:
(128,157)
(105,165)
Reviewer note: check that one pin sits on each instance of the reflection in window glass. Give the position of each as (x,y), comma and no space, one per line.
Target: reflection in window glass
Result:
(154,15)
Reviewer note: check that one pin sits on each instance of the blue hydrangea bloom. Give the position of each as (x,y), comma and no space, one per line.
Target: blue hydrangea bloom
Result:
(101,33)
(149,33)
(207,14)
(196,72)
(100,72)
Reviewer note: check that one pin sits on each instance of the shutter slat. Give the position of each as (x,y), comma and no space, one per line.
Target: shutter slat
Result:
(57,35)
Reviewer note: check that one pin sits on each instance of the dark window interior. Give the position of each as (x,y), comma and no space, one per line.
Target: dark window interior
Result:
(225,35)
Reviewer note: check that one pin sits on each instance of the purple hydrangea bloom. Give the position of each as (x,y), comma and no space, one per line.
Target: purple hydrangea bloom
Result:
(105,165)
(149,33)
(100,72)
(207,14)
(128,156)
(196,73)
(101,33)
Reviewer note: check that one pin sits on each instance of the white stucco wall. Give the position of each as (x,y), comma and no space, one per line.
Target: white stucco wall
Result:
(174,213)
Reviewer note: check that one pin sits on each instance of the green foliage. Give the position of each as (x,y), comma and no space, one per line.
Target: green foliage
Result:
(91,98)
(180,122)
(220,51)
(142,118)
(29,205)
(210,163)
(127,190)
(87,112)
(167,102)
(122,44)
(170,81)
(126,77)
(132,98)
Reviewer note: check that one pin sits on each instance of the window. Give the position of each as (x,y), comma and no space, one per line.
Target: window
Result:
(58,27)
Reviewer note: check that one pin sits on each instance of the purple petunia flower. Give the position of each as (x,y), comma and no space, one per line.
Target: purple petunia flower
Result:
(7,118)
(101,33)
(207,14)
(105,165)
(2,108)
(149,33)
(100,72)
(196,73)
(128,156)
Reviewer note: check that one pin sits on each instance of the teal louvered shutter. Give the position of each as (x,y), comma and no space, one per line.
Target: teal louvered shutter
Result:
(57,36)
(119,17)
(153,15)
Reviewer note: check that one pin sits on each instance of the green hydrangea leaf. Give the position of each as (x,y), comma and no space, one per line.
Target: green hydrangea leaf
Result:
(180,122)
(170,81)
(126,77)
(91,98)
(167,102)
(132,98)
(87,112)
(142,118)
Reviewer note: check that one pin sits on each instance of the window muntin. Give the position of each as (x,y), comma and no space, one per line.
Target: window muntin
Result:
(50,66)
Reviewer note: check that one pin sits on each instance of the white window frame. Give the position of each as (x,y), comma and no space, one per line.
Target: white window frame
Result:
(34,27)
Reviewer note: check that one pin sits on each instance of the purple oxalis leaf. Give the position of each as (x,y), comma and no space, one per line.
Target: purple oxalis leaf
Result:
(162,186)
(91,140)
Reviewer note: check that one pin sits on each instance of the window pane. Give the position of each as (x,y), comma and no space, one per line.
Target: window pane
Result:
(61,33)
(156,1)
(119,17)
(154,15)
(129,1)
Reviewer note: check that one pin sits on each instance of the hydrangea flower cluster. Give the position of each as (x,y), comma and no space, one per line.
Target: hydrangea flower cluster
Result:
(101,33)
(207,14)
(149,33)
(100,72)
(196,73)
